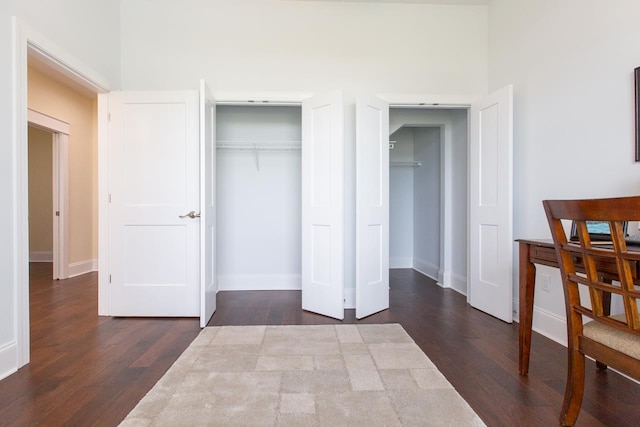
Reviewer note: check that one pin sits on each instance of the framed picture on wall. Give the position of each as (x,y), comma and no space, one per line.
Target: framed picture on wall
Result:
(636,75)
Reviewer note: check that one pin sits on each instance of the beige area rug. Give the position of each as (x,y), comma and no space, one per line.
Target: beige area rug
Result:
(329,375)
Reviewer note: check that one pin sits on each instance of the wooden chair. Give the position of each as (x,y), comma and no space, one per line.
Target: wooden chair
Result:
(612,340)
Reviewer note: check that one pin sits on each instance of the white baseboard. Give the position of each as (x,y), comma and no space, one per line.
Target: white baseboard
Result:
(550,325)
(459,283)
(8,359)
(82,267)
(350,298)
(426,268)
(260,282)
(41,256)
(400,262)
(546,324)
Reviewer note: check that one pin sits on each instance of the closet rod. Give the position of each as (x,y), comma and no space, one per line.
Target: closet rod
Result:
(258,147)
(239,142)
(406,164)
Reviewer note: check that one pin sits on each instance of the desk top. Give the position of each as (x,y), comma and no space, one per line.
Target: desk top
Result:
(537,242)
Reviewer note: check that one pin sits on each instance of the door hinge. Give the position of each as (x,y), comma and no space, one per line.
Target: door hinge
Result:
(57,213)
(109,197)
(109,117)
(109,278)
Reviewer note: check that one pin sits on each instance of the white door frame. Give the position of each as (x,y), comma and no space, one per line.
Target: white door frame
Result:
(26,42)
(60,151)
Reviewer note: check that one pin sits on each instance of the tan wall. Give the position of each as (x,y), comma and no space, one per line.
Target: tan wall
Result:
(52,98)
(40,191)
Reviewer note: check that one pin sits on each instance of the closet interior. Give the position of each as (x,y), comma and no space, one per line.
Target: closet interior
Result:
(414,199)
(258,184)
(423,142)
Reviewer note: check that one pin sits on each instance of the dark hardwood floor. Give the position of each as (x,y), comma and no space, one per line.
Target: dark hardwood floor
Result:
(86,370)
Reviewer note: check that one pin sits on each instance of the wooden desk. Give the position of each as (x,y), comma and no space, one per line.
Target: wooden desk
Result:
(531,252)
(543,252)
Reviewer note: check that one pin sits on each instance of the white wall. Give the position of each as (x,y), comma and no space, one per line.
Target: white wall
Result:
(40,195)
(401,201)
(259,205)
(427,201)
(415,200)
(460,177)
(88,30)
(571,63)
(273,45)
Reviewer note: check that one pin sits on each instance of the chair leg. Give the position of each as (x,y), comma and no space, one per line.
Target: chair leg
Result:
(574,390)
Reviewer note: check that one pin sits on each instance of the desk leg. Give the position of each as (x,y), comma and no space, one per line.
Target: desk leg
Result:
(527,287)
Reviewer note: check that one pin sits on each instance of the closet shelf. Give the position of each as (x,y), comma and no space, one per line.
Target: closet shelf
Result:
(406,164)
(259,146)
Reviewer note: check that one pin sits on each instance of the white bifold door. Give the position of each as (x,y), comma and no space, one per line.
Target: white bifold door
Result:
(372,206)
(491,205)
(154,192)
(208,274)
(323,205)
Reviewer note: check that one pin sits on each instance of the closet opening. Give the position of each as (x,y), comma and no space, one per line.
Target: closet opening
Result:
(428,193)
(258,185)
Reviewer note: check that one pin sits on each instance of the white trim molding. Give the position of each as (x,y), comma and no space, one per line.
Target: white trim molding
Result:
(399,100)
(459,283)
(259,282)
(104,296)
(82,267)
(41,256)
(48,123)
(8,356)
(550,325)
(426,268)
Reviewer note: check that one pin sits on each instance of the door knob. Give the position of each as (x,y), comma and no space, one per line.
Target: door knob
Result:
(191,214)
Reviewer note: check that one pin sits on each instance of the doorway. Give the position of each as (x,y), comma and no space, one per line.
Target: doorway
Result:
(48,192)
(428,193)
(41,197)
(42,115)
(259,197)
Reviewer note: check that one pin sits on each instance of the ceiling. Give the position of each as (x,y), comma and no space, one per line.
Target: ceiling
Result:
(450,2)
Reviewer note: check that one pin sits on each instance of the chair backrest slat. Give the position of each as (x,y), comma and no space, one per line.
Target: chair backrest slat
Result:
(585,256)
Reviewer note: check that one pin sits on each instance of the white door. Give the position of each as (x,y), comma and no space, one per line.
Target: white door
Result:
(208,274)
(491,205)
(323,205)
(372,206)
(153,185)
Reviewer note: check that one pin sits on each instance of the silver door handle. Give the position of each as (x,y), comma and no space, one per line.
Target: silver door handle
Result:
(191,215)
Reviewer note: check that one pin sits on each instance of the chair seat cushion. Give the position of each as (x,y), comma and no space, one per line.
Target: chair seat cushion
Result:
(619,340)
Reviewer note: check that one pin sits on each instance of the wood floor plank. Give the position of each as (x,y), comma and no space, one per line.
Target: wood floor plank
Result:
(91,371)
